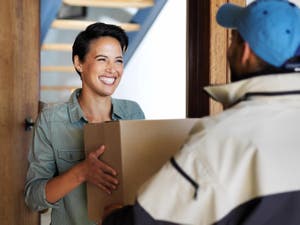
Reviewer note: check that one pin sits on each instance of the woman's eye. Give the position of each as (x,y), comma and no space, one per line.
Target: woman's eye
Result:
(101,59)
(120,61)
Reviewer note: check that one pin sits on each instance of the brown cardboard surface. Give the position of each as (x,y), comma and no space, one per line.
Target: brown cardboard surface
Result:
(136,149)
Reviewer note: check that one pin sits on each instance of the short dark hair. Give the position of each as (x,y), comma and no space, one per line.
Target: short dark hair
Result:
(96,30)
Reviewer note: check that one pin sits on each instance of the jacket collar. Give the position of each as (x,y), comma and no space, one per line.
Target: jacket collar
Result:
(277,84)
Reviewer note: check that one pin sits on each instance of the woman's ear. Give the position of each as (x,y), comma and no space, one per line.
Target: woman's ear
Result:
(77,63)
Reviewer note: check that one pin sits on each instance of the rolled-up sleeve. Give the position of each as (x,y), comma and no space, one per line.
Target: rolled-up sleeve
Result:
(42,166)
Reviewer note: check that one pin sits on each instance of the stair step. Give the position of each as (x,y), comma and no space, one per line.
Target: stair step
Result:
(63,69)
(82,24)
(59,88)
(111,3)
(57,47)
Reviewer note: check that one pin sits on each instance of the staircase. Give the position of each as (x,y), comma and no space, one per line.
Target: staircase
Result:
(62,20)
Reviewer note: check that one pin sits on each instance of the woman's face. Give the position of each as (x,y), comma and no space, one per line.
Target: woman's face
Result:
(102,68)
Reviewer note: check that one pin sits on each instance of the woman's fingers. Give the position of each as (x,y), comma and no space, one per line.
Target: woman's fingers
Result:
(106,180)
(104,188)
(99,173)
(106,168)
(94,158)
(99,151)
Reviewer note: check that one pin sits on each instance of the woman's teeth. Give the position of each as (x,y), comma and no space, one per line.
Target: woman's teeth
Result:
(107,80)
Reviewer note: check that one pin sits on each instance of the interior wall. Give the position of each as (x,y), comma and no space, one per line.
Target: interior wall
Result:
(155,77)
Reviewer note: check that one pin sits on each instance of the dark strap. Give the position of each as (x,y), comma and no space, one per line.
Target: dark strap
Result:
(186,176)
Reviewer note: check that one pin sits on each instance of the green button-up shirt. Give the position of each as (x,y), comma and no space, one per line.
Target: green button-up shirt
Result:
(57,146)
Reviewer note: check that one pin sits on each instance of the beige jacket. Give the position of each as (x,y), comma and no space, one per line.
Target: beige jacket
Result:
(245,158)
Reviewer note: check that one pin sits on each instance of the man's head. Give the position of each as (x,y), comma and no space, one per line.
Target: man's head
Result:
(267,34)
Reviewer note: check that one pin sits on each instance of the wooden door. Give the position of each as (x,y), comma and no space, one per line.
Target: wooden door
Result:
(19,94)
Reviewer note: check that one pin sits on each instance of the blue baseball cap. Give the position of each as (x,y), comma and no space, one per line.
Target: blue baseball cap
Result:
(271,27)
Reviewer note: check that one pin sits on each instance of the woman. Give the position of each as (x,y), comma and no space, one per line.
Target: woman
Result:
(58,168)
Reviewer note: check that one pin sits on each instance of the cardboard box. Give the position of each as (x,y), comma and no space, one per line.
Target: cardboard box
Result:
(136,149)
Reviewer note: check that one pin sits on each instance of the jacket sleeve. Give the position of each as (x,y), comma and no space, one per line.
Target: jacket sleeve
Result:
(132,215)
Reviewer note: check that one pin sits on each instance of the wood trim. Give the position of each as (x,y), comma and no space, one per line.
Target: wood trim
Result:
(198,33)
(64,69)
(111,3)
(218,56)
(82,24)
(57,47)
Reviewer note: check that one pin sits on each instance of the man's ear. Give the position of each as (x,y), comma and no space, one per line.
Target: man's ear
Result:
(247,53)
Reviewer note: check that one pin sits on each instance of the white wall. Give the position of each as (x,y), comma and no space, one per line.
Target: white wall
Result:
(155,77)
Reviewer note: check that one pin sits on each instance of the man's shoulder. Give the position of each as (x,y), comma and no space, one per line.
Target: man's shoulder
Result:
(221,124)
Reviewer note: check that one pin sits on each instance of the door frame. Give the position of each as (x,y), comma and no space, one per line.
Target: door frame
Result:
(207,43)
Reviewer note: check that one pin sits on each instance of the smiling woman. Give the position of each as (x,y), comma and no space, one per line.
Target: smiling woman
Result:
(99,62)
(58,169)
(151,61)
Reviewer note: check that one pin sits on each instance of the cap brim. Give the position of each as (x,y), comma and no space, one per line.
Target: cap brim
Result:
(227,15)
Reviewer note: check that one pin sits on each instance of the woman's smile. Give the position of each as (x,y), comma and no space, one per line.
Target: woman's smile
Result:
(108,80)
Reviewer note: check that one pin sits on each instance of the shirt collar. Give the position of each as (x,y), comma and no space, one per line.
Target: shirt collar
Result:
(117,110)
(229,94)
(75,111)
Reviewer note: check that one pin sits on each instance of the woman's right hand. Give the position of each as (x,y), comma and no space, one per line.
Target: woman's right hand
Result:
(91,170)
(99,173)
